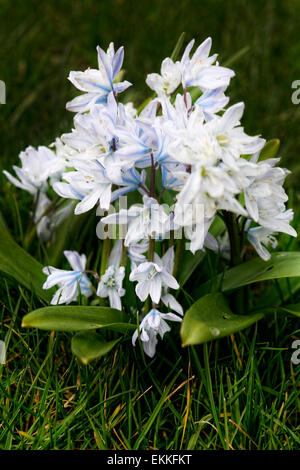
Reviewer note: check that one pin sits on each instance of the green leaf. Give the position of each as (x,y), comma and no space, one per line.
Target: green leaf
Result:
(76,318)
(270,149)
(3,226)
(16,262)
(178,47)
(292,308)
(89,345)
(280,265)
(236,57)
(210,318)
(190,264)
(279,292)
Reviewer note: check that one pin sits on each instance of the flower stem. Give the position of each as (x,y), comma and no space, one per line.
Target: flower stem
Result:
(104,255)
(178,254)
(234,238)
(151,248)
(235,256)
(152,182)
(171,242)
(123,256)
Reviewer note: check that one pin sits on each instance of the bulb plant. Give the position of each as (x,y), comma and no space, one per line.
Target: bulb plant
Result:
(162,187)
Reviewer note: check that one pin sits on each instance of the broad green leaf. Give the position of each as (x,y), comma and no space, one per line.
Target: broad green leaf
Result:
(76,318)
(284,264)
(270,149)
(89,345)
(210,318)
(280,265)
(279,292)
(19,264)
(292,308)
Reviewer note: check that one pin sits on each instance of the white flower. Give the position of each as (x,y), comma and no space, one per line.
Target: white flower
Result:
(168,81)
(152,325)
(43,228)
(37,166)
(94,134)
(200,237)
(89,183)
(199,69)
(175,118)
(46,224)
(167,263)
(136,253)
(110,285)
(193,154)
(260,238)
(232,139)
(224,246)
(70,283)
(130,110)
(143,221)
(137,138)
(275,217)
(151,279)
(63,152)
(97,84)
(129,181)
(173,175)
(194,142)
(209,189)
(265,197)
(212,101)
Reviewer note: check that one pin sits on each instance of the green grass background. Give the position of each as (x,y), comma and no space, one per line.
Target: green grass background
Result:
(204,398)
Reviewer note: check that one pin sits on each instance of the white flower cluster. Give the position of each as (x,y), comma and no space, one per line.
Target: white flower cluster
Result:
(193,148)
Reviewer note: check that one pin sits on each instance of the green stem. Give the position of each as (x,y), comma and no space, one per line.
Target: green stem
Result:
(151,249)
(171,242)
(152,182)
(178,254)
(234,238)
(150,258)
(124,254)
(235,256)
(152,194)
(104,256)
